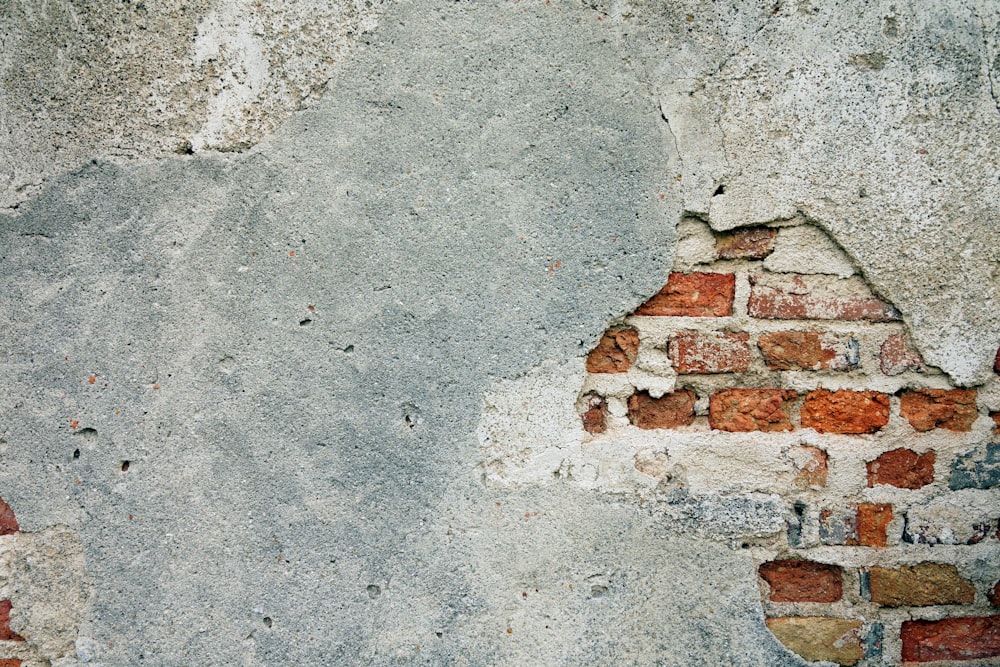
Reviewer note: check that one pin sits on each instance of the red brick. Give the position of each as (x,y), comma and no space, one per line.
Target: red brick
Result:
(747,243)
(921,585)
(995,416)
(902,468)
(716,352)
(803,581)
(952,409)
(742,410)
(967,638)
(595,417)
(845,411)
(670,411)
(820,638)
(896,356)
(808,350)
(996,362)
(787,296)
(872,523)
(8,522)
(6,634)
(615,352)
(10,662)
(693,295)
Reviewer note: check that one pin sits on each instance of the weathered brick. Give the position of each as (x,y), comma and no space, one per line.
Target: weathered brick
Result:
(615,352)
(952,409)
(6,634)
(920,585)
(10,662)
(595,417)
(902,468)
(669,411)
(811,464)
(8,522)
(851,412)
(996,362)
(951,639)
(747,243)
(873,523)
(978,468)
(808,350)
(693,295)
(994,595)
(716,352)
(995,416)
(896,356)
(751,410)
(820,638)
(837,527)
(784,296)
(803,581)
(945,521)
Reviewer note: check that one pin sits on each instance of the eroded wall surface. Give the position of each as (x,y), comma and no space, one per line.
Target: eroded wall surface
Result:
(297,302)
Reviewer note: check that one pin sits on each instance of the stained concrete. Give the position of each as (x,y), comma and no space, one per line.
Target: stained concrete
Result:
(290,346)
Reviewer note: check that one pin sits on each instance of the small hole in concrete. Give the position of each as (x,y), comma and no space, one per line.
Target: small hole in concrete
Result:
(721,190)
(598,591)
(76,453)
(125,465)
(306,322)
(267,621)
(373,591)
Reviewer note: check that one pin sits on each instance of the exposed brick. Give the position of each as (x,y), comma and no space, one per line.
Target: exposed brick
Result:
(820,638)
(978,468)
(10,662)
(747,243)
(921,585)
(844,411)
(994,595)
(6,634)
(995,416)
(595,417)
(670,411)
(926,409)
(896,356)
(785,296)
(8,522)
(811,463)
(803,581)
(951,639)
(751,410)
(716,352)
(996,362)
(902,468)
(808,350)
(693,295)
(615,352)
(872,524)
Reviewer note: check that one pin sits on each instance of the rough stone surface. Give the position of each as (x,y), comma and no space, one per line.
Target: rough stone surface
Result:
(978,468)
(819,638)
(920,586)
(844,411)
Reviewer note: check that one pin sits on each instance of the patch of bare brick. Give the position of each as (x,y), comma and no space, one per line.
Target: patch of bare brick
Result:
(615,352)
(8,522)
(745,243)
(921,585)
(669,411)
(595,417)
(751,409)
(820,638)
(902,468)
(896,356)
(808,350)
(844,411)
(716,352)
(693,295)
(872,525)
(952,409)
(967,638)
(785,296)
(802,581)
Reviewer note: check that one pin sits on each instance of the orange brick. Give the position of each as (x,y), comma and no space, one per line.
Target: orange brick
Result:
(747,243)
(742,410)
(802,581)
(8,522)
(670,411)
(967,638)
(872,523)
(595,417)
(850,412)
(896,356)
(927,409)
(808,350)
(693,295)
(716,352)
(615,352)
(902,468)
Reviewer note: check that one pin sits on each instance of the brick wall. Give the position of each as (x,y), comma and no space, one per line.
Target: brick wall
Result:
(745,378)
